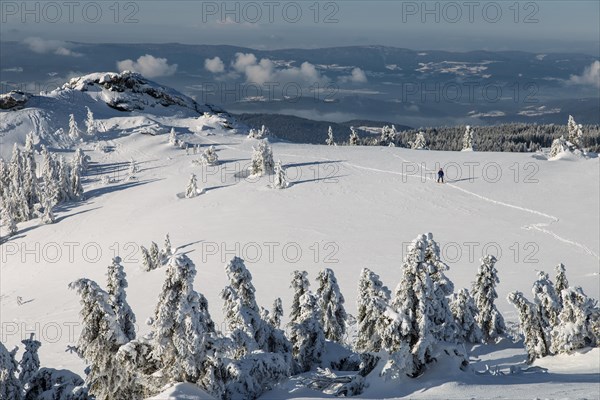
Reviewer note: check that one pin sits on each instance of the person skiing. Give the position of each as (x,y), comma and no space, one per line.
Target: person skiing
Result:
(440,176)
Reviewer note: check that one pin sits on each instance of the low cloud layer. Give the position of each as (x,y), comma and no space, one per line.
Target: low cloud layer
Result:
(590,76)
(149,66)
(43,46)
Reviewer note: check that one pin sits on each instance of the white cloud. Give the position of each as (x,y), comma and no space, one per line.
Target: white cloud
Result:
(357,76)
(43,46)
(266,71)
(149,66)
(590,76)
(214,65)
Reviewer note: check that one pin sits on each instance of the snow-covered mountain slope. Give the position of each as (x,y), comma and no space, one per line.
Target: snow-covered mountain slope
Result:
(348,208)
(126,99)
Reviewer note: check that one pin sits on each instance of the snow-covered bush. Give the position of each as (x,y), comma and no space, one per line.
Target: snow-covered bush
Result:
(210,157)
(192,190)
(260,134)
(489,319)
(262,160)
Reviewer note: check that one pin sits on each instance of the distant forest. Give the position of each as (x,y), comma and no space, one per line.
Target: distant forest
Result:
(515,137)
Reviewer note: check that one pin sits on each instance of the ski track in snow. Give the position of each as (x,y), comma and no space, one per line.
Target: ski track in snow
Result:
(538,227)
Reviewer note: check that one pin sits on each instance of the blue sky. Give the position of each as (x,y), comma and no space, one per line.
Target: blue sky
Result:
(570,26)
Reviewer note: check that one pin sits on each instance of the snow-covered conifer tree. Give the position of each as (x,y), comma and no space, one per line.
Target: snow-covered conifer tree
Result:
(420,143)
(182,329)
(276,314)
(577,320)
(242,314)
(354,139)
(9,217)
(147,261)
(10,385)
(419,314)
(561,282)
(546,299)
(262,160)
(63,180)
(468,142)
(307,336)
(330,302)
(465,315)
(558,147)
(280,181)
(533,332)
(330,140)
(80,161)
(76,187)
(100,338)
(191,190)
(575,134)
(30,362)
(155,255)
(167,250)
(48,202)
(388,136)
(90,123)
(299,285)
(173,141)
(117,298)
(74,131)
(30,180)
(489,319)
(372,302)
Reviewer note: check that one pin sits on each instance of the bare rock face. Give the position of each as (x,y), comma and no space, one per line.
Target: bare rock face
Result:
(15,100)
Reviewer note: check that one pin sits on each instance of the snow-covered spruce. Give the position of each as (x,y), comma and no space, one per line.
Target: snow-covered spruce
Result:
(330,303)
(468,141)
(388,136)
(30,361)
(100,339)
(242,315)
(117,298)
(74,131)
(90,123)
(300,285)
(330,141)
(372,300)
(306,335)
(192,190)
(419,315)
(489,319)
(577,325)
(49,383)
(561,281)
(548,305)
(419,143)
(354,139)
(10,386)
(182,329)
(280,178)
(531,327)
(262,160)
(574,133)
(173,141)
(465,315)
(260,134)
